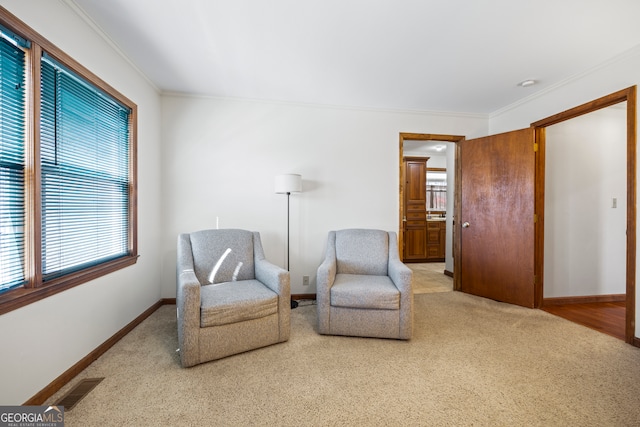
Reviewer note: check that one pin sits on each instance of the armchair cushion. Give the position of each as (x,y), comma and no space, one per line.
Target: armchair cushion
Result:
(360,251)
(232,302)
(207,250)
(365,291)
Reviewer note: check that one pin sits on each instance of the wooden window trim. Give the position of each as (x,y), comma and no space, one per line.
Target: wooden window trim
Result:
(35,289)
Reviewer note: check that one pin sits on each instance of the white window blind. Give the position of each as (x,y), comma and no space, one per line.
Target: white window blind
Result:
(12,163)
(84,152)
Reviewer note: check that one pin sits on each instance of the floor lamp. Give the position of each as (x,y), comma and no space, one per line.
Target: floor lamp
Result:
(287,184)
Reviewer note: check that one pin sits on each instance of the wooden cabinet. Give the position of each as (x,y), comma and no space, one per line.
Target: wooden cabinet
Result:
(424,241)
(436,240)
(415,212)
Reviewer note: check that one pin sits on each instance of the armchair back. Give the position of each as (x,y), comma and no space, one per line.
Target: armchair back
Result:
(360,251)
(210,249)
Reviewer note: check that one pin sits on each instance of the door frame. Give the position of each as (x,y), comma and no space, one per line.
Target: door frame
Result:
(456,139)
(628,95)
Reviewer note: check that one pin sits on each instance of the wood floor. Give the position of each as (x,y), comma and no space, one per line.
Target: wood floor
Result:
(607,317)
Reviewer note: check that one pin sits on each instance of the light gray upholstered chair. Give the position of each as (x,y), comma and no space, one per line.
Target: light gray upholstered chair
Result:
(363,289)
(247,305)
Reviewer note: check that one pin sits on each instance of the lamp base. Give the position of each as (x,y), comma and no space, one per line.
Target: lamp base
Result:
(294,304)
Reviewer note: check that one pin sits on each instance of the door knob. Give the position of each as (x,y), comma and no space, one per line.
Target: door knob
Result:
(465,224)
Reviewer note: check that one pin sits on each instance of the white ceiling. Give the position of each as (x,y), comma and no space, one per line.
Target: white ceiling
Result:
(433,55)
(430,147)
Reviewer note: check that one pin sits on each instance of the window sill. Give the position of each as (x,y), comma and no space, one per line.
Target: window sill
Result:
(20,297)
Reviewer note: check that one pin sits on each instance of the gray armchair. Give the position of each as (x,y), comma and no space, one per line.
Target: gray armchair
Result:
(229,298)
(363,289)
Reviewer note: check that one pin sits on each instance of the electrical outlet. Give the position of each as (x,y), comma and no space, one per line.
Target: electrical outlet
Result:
(305,280)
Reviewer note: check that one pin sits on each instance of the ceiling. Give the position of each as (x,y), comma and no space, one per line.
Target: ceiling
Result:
(429,147)
(461,56)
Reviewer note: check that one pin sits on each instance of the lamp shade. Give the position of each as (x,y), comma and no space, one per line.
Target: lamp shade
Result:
(289,183)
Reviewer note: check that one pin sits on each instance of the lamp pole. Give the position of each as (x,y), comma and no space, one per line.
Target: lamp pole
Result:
(287,184)
(288,194)
(294,303)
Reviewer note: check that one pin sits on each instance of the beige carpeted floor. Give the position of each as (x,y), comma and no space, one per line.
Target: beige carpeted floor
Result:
(472,361)
(430,277)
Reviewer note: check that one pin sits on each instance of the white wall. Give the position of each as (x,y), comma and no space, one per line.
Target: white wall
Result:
(438,160)
(617,74)
(584,237)
(220,158)
(44,339)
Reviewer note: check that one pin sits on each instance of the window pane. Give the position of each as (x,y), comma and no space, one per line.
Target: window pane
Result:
(436,190)
(85,173)
(12,134)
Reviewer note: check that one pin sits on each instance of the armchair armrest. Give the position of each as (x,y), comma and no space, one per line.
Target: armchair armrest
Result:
(401,276)
(325,277)
(187,303)
(187,284)
(278,280)
(275,278)
(188,295)
(188,313)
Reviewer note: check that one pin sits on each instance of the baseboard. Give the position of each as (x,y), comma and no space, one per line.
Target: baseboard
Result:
(40,397)
(636,341)
(448,273)
(584,299)
(303,296)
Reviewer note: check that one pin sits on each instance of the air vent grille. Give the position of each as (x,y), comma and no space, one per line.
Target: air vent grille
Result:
(77,393)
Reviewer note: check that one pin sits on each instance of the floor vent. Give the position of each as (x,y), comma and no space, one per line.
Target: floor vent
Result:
(76,394)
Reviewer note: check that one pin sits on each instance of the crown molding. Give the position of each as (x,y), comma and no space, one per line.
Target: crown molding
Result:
(630,53)
(326,106)
(95,27)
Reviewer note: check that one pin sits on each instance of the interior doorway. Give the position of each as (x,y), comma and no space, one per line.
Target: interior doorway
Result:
(548,295)
(539,128)
(407,146)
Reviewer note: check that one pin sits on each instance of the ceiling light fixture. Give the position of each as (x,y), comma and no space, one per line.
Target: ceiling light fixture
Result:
(527,83)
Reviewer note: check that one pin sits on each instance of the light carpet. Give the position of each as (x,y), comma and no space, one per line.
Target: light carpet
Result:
(472,362)
(429,277)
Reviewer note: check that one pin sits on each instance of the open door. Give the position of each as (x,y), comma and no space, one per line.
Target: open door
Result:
(497,238)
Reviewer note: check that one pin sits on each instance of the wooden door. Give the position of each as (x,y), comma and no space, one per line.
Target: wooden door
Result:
(415,209)
(497,217)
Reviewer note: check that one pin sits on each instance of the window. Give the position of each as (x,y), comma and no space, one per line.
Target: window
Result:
(67,171)
(12,162)
(436,189)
